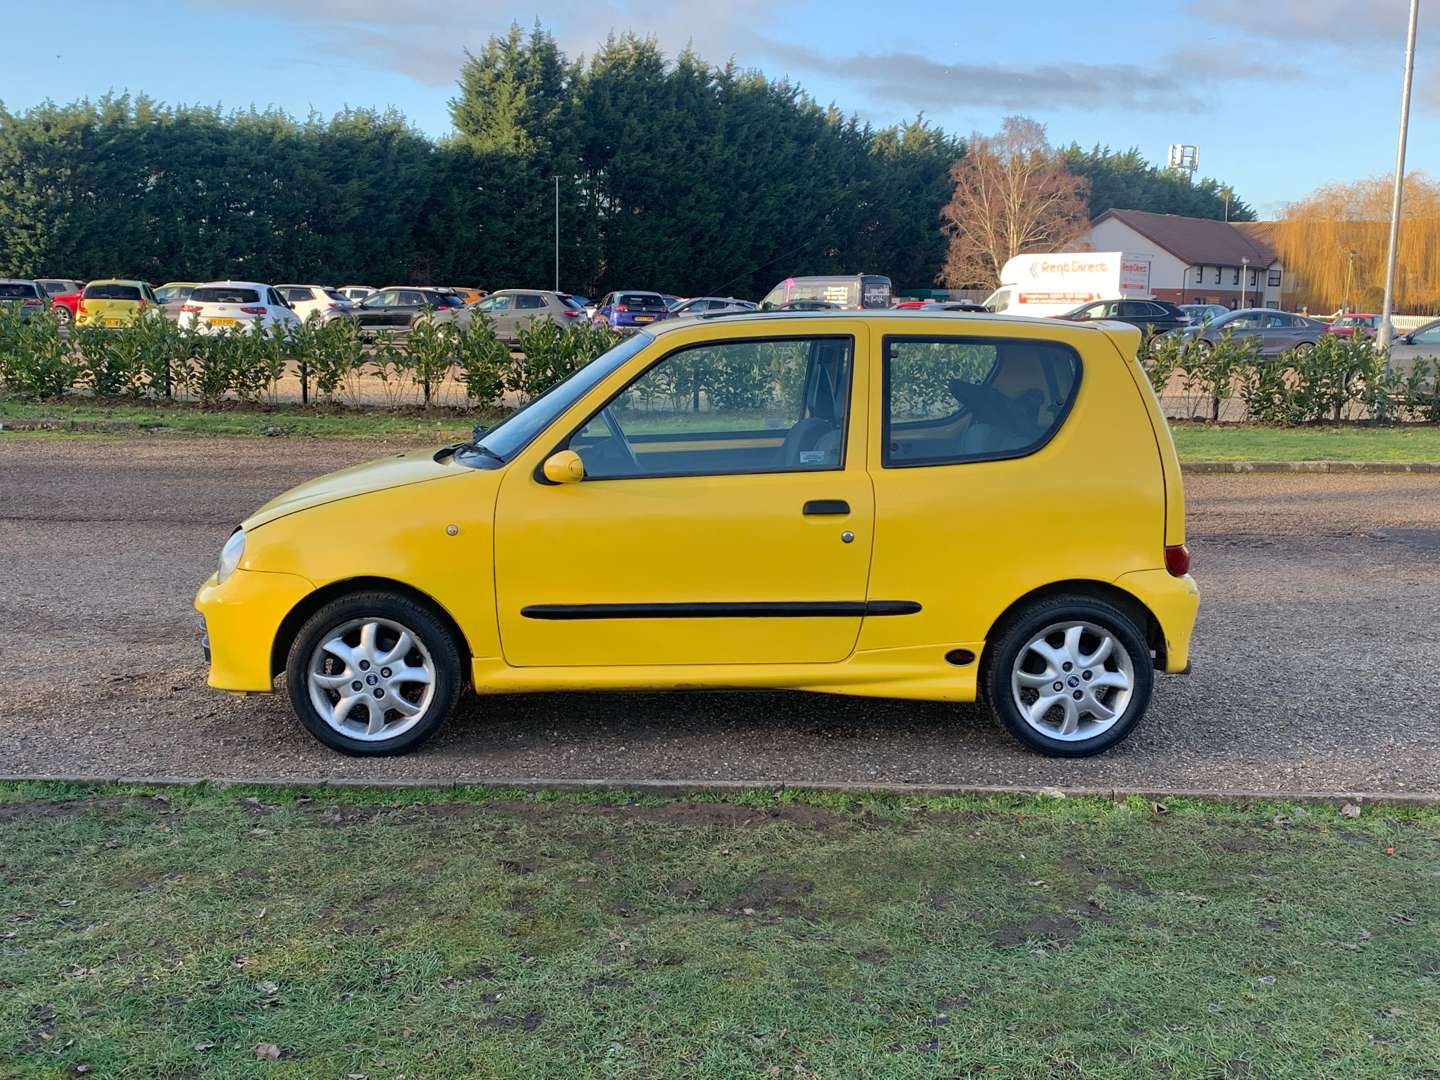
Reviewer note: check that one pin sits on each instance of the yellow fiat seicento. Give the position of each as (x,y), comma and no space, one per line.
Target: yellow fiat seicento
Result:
(894,504)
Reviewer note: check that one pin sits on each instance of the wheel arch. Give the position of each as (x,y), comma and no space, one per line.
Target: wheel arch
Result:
(1096,590)
(312,602)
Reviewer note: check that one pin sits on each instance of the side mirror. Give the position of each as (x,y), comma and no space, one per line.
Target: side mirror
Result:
(564,467)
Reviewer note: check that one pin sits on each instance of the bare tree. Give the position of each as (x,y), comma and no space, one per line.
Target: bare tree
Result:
(1013,194)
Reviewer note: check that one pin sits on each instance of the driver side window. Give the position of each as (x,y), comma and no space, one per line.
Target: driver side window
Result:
(754,406)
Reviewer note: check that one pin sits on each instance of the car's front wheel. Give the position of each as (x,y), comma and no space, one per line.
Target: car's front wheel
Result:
(373,673)
(1070,676)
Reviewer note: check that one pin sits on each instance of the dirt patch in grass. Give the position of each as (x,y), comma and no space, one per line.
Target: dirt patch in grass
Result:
(106,807)
(1053,929)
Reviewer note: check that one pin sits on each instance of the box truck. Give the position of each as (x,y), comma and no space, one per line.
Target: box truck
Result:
(1043,285)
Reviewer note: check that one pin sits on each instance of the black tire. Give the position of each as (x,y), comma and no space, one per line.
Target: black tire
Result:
(63,316)
(1303,348)
(429,633)
(1023,627)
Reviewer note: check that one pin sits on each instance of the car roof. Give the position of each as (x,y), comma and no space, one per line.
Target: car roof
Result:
(878,315)
(241,284)
(21,280)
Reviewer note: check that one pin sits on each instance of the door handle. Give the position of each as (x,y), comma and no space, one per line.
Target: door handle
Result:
(826,507)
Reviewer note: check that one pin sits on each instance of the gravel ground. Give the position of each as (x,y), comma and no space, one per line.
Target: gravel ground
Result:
(1316,626)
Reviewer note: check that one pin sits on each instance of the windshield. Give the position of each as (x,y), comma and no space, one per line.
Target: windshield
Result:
(513,434)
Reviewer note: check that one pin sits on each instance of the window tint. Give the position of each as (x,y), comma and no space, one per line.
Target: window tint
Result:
(273,298)
(1427,335)
(496,303)
(528,302)
(296,294)
(950,400)
(112,292)
(751,406)
(333,295)
(410,298)
(1243,322)
(220,294)
(641,300)
(1137,309)
(17,290)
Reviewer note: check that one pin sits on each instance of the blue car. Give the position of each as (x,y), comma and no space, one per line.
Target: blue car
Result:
(631,310)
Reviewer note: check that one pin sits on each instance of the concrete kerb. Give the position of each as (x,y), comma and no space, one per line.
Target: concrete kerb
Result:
(690,788)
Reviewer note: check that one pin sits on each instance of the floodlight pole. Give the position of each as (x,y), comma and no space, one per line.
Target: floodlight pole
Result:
(1392,251)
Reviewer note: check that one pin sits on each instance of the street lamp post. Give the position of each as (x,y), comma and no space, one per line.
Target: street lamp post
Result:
(1392,250)
(1244,279)
(557,233)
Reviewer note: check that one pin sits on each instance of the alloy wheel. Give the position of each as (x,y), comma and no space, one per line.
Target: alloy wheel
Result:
(1072,681)
(371,679)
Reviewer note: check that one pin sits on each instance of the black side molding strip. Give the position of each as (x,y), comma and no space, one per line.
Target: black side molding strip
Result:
(799,609)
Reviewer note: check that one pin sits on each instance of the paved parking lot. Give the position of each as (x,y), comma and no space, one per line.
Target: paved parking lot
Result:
(1315,656)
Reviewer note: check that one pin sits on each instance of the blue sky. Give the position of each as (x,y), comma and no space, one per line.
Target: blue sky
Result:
(1281,96)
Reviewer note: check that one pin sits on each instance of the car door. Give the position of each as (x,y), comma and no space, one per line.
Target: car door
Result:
(736,533)
(501,310)
(529,308)
(1240,328)
(374,311)
(1279,333)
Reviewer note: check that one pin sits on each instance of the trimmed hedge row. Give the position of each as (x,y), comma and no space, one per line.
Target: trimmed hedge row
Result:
(156,358)
(1335,379)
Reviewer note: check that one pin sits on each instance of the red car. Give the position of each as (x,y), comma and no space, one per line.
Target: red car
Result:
(64,296)
(1345,326)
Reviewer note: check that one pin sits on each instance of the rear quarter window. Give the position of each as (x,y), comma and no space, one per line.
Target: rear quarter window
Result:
(954,400)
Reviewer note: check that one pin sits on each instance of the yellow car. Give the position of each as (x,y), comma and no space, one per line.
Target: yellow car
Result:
(115,303)
(898,504)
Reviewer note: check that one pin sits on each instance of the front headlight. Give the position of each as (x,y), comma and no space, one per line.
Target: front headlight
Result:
(230,555)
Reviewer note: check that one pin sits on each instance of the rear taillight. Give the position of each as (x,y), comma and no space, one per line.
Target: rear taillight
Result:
(190,309)
(253,310)
(33,302)
(572,313)
(334,307)
(1177,560)
(620,308)
(82,306)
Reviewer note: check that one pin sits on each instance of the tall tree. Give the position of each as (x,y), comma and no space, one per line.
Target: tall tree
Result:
(1013,194)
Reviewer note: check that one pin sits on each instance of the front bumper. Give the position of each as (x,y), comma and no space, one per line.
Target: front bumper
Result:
(240,618)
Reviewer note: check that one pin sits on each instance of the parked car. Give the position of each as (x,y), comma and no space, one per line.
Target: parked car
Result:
(468,296)
(628,310)
(1347,326)
(972,306)
(66,305)
(671,300)
(325,303)
(23,296)
(1420,345)
(511,310)
(605,537)
(115,303)
(395,309)
(1202,313)
(1151,316)
(355,293)
(220,306)
(1276,331)
(702,305)
(172,296)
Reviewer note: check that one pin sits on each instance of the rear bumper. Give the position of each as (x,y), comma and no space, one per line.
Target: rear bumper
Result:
(1174,602)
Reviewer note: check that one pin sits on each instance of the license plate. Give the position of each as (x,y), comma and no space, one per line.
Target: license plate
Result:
(220,322)
(644,318)
(114,322)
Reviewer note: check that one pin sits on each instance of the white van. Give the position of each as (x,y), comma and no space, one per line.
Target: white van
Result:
(1052,284)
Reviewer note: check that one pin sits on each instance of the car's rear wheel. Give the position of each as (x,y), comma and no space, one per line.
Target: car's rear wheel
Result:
(1304,349)
(63,316)
(373,673)
(1069,676)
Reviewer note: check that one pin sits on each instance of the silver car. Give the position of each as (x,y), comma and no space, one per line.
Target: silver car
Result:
(23,296)
(511,310)
(1422,343)
(709,305)
(1276,331)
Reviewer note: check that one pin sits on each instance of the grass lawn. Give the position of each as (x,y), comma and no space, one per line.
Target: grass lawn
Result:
(443,933)
(1243,443)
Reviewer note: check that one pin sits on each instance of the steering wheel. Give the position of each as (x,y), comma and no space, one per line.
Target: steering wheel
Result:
(619,436)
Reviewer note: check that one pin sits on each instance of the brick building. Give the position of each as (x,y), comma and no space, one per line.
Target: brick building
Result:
(1195,260)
